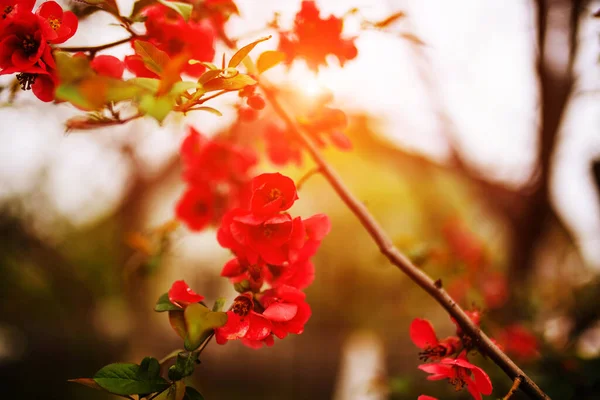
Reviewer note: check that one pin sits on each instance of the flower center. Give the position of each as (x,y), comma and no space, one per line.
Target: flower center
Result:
(267,231)
(26,80)
(200,208)
(242,306)
(29,45)
(458,380)
(438,351)
(54,23)
(7,10)
(274,194)
(254,271)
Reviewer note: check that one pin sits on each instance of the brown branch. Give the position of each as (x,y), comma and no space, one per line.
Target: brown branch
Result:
(95,49)
(513,389)
(398,259)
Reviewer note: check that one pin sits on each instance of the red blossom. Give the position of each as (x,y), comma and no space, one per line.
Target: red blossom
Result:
(59,25)
(243,322)
(313,38)
(282,147)
(460,373)
(519,341)
(195,207)
(272,193)
(312,231)
(181,294)
(425,397)
(11,8)
(172,34)
(108,66)
(44,86)
(299,274)
(287,310)
(423,336)
(23,45)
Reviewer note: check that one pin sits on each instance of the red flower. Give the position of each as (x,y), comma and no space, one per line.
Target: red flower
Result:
(214,159)
(425,397)
(287,310)
(240,269)
(314,230)
(272,193)
(519,341)
(10,8)
(314,38)
(195,207)
(282,147)
(172,34)
(299,274)
(474,315)
(58,25)
(243,322)
(181,294)
(264,238)
(44,86)
(23,45)
(460,373)
(108,66)
(423,336)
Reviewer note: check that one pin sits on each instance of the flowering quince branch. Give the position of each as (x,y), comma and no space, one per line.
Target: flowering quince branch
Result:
(271,249)
(386,246)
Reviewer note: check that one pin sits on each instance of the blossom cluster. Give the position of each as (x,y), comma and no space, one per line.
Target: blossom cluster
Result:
(449,358)
(26,40)
(270,247)
(271,265)
(314,38)
(216,172)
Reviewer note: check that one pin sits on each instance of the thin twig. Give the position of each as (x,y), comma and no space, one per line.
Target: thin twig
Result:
(398,259)
(206,342)
(513,389)
(95,49)
(307,175)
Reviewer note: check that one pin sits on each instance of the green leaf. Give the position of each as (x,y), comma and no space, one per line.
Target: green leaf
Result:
(208,65)
(128,379)
(209,75)
(138,6)
(183,9)
(236,83)
(175,392)
(149,368)
(219,304)
(89,382)
(183,86)
(72,69)
(177,322)
(156,107)
(150,84)
(208,109)
(154,59)
(184,366)
(200,323)
(192,394)
(164,304)
(268,60)
(239,56)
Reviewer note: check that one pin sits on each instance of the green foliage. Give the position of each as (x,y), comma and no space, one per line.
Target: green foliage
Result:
(200,323)
(164,304)
(268,60)
(106,5)
(138,6)
(129,378)
(219,304)
(237,82)
(184,366)
(154,59)
(239,56)
(156,107)
(175,392)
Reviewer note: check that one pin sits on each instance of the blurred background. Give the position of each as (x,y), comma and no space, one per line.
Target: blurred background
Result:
(476,145)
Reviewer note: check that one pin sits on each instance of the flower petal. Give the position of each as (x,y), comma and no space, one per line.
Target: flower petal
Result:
(281,311)
(422,333)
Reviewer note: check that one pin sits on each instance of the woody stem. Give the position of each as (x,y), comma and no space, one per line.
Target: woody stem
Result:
(397,258)
(513,389)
